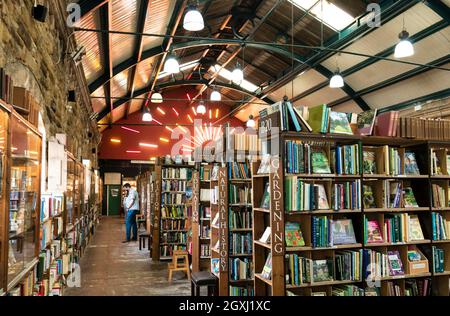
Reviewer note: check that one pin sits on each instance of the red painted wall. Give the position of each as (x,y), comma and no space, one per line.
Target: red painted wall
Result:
(151,132)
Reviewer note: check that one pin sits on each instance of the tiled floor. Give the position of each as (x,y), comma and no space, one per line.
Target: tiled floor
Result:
(110,267)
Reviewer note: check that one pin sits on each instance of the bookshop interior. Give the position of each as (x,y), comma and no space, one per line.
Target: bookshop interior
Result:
(224,148)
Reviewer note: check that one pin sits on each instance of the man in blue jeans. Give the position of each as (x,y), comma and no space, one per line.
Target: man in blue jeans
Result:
(131,208)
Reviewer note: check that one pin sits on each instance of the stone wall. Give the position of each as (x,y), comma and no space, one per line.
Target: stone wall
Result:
(33,53)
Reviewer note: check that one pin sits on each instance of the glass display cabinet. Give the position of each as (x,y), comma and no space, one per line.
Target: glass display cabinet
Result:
(70,205)
(23,221)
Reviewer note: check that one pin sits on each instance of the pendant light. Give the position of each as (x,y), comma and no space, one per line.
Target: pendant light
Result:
(147,116)
(171,65)
(201,109)
(337,81)
(237,76)
(251,122)
(215,95)
(193,19)
(156,97)
(404,48)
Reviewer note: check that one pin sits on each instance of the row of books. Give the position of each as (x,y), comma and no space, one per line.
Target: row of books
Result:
(245,142)
(239,195)
(173,237)
(241,269)
(345,266)
(173,198)
(241,291)
(205,212)
(240,219)
(173,224)
(239,170)
(424,128)
(240,243)
(50,206)
(346,159)
(438,259)
(440,226)
(401,228)
(390,160)
(440,195)
(395,194)
(173,185)
(205,173)
(174,211)
(205,194)
(205,250)
(205,231)
(440,162)
(167,250)
(326,232)
(413,287)
(176,173)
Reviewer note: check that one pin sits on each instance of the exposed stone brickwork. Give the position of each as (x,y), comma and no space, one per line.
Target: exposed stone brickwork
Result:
(33,53)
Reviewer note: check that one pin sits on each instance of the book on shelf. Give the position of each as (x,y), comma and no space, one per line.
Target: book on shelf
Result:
(267,269)
(240,219)
(368,196)
(241,269)
(241,291)
(298,270)
(215,265)
(205,195)
(241,243)
(348,265)
(369,162)
(288,117)
(440,226)
(345,159)
(238,170)
(205,211)
(294,236)
(214,195)
(438,195)
(395,263)
(215,172)
(319,161)
(265,238)
(395,163)
(237,194)
(322,270)
(176,173)
(319,293)
(342,232)
(173,211)
(409,200)
(173,185)
(402,228)
(319,118)
(205,173)
(205,250)
(438,256)
(304,196)
(265,200)
(339,123)
(386,124)
(394,289)
(366,122)
(395,194)
(418,287)
(215,220)
(264,167)
(410,163)
(372,232)
(375,265)
(347,290)
(436,162)
(346,195)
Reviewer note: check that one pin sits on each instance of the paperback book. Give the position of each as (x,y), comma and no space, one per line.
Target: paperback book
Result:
(294,236)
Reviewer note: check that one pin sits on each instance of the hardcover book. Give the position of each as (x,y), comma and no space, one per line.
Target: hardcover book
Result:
(366,121)
(411,167)
(320,162)
(322,197)
(369,162)
(408,197)
(267,270)
(395,263)
(215,267)
(318,118)
(368,197)
(294,236)
(264,167)
(265,201)
(322,271)
(343,232)
(339,123)
(415,230)
(265,238)
(373,232)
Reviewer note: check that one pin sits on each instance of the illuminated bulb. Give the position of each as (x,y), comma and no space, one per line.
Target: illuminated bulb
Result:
(237,75)
(404,48)
(147,116)
(193,19)
(201,108)
(215,96)
(171,65)
(251,122)
(156,97)
(337,81)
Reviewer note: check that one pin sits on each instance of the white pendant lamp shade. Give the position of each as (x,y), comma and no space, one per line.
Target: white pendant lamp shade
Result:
(215,96)
(193,20)
(237,75)
(251,122)
(156,98)
(404,48)
(147,116)
(171,65)
(337,81)
(201,108)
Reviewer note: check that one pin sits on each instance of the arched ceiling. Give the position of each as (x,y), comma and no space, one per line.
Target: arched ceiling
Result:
(121,67)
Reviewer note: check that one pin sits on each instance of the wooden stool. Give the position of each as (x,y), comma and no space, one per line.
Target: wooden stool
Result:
(176,265)
(142,237)
(203,278)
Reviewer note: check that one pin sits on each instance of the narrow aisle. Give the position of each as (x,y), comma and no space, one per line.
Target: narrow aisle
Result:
(110,267)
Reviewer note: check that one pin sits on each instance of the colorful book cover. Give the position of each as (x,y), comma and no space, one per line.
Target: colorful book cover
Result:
(321,271)
(411,167)
(339,123)
(317,116)
(215,267)
(368,197)
(369,162)
(373,232)
(409,198)
(294,236)
(395,263)
(267,270)
(265,201)
(415,230)
(320,162)
(343,232)
(322,198)
(366,121)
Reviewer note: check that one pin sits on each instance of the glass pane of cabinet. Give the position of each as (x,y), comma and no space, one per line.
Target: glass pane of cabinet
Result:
(24,194)
(4,125)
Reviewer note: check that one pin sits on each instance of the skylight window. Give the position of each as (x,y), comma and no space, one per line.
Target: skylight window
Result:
(331,15)
(183,67)
(245,84)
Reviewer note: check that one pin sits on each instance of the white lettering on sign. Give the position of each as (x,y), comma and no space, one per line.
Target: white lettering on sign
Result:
(223,220)
(277,208)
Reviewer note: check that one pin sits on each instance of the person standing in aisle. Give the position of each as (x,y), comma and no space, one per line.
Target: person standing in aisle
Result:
(131,209)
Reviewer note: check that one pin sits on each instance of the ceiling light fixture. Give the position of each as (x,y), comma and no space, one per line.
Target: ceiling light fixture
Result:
(251,122)
(237,76)
(193,19)
(337,81)
(156,97)
(147,116)
(171,65)
(404,48)
(216,96)
(201,109)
